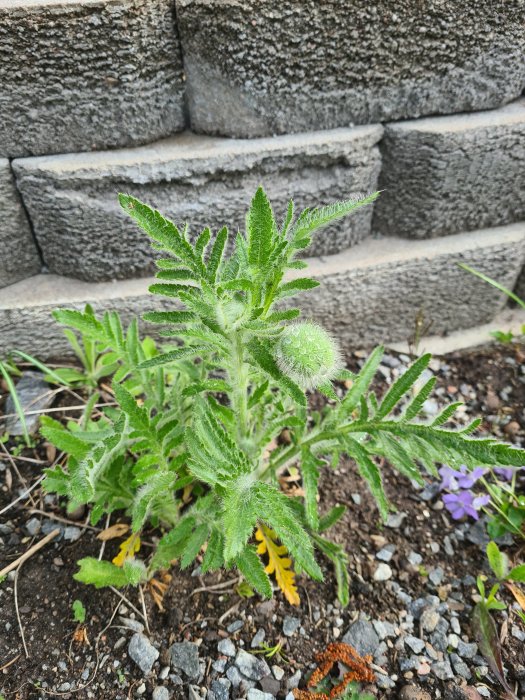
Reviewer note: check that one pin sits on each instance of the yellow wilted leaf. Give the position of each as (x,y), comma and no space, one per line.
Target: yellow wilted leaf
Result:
(117,530)
(128,549)
(278,563)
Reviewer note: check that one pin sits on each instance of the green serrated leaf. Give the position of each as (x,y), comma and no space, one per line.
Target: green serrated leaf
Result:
(330,519)
(194,545)
(174,355)
(100,573)
(313,219)
(370,473)
(402,385)
(213,558)
(266,362)
(274,510)
(261,228)
(290,289)
(216,254)
(362,381)
(253,571)
(238,519)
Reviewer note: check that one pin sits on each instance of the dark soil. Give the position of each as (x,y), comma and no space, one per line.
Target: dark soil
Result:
(99,666)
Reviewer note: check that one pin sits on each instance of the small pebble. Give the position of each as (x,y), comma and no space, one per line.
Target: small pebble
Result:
(417,645)
(453,641)
(429,620)
(436,576)
(226,647)
(290,625)
(235,626)
(278,672)
(415,559)
(160,693)
(33,527)
(517,633)
(142,652)
(383,572)
(254,694)
(386,553)
(395,520)
(258,638)
(468,651)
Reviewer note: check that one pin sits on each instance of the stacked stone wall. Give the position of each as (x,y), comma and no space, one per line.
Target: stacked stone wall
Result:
(191,104)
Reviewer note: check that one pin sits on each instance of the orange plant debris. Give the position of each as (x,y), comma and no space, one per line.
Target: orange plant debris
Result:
(158,589)
(337,651)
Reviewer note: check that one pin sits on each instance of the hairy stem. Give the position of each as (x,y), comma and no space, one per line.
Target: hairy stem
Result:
(239,381)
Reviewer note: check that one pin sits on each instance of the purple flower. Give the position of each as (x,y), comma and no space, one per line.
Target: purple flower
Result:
(464,503)
(505,473)
(462,478)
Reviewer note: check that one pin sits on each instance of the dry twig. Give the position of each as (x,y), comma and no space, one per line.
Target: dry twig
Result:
(22,496)
(19,475)
(120,595)
(143,603)
(21,559)
(20,626)
(217,586)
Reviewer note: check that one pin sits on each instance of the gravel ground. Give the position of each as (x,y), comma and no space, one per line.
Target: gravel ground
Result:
(412,587)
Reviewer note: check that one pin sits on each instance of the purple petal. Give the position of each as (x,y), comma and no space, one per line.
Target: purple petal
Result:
(449,479)
(481,501)
(468,480)
(466,498)
(473,513)
(505,473)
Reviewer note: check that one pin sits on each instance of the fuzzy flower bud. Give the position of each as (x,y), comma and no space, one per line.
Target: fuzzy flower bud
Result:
(307,354)
(230,314)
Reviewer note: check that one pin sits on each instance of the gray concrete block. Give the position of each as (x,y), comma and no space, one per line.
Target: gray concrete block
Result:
(279,66)
(519,287)
(442,175)
(18,254)
(77,75)
(72,199)
(375,292)
(369,294)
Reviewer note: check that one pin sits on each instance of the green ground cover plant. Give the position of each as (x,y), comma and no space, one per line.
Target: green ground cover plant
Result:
(203,414)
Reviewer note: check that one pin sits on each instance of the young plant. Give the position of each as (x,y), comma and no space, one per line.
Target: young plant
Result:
(79,612)
(193,445)
(505,574)
(483,623)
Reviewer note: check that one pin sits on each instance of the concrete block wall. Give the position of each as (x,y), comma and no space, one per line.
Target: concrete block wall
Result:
(191,104)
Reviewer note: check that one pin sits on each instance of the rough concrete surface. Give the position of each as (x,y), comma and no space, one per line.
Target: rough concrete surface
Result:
(509,319)
(72,199)
(84,74)
(519,287)
(442,175)
(257,68)
(369,294)
(18,254)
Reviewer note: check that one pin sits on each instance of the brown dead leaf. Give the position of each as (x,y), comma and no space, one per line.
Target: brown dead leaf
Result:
(110,533)
(518,594)
(80,636)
